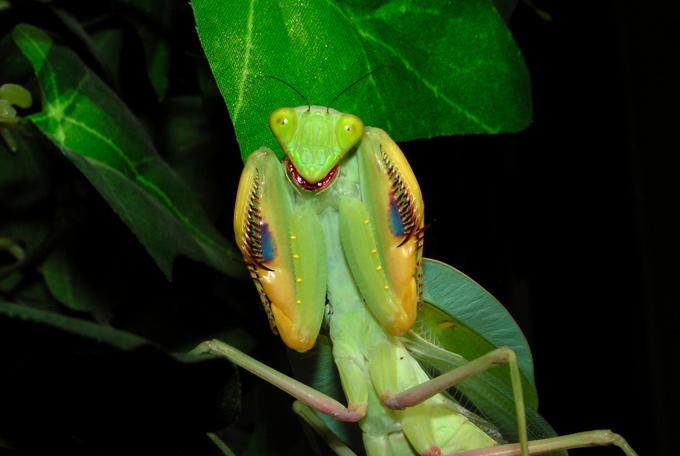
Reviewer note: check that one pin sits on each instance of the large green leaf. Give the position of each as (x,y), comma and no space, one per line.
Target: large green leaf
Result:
(455,68)
(104,140)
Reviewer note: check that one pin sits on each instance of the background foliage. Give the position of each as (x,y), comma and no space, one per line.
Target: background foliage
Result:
(89,321)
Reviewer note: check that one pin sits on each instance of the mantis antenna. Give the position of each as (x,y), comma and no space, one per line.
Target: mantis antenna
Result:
(355,83)
(296,90)
(338,95)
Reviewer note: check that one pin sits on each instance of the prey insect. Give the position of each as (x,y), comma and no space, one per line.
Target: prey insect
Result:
(333,238)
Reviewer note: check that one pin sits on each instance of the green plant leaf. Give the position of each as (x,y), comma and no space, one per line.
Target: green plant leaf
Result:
(455,68)
(103,139)
(75,382)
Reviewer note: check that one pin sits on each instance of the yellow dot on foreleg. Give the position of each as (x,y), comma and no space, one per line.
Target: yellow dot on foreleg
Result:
(366,222)
(374,251)
(298,280)
(293,237)
(296,256)
(379,268)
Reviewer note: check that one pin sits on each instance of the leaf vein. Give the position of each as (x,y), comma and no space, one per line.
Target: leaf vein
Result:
(246,63)
(160,194)
(433,88)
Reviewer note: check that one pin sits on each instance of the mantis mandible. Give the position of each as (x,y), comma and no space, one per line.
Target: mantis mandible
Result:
(333,236)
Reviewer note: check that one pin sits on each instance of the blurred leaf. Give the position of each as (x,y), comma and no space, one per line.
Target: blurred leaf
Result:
(189,140)
(23,181)
(455,68)
(152,19)
(13,65)
(80,272)
(77,383)
(19,284)
(25,186)
(107,144)
(109,41)
(74,26)
(505,8)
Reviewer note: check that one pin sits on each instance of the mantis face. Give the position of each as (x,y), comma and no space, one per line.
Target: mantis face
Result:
(314,139)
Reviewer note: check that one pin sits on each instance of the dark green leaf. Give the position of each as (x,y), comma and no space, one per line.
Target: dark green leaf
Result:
(107,144)
(13,65)
(455,68)
(152,20)
(196,153)
(505,8)
(109,42)
(88,275)
(22,177)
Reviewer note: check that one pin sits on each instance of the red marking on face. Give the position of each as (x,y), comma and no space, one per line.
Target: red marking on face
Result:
(302,182)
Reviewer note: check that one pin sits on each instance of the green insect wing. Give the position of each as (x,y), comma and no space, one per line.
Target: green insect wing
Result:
(461,321)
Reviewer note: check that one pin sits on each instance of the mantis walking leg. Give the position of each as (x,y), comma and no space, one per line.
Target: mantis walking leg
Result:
(299,390)
(307,414)
(424,391)
(565,442)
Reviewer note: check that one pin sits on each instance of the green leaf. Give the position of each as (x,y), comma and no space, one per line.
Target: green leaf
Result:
(104,140)
(455,68)
(22,175)
(109,44)
(71,382)
(88,275)
(463,321)
(195,152)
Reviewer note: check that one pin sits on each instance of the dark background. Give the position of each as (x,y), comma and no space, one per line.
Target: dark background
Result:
(573,224)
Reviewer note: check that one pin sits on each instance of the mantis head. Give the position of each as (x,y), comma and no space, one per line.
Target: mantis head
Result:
(314,139)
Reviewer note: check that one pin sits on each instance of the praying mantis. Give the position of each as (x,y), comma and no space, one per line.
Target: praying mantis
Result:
(332,238)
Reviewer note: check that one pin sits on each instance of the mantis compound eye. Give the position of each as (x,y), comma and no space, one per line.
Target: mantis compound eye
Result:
(283,123)
(348,131)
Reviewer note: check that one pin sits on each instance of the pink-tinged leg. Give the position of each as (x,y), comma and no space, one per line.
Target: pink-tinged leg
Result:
(504,355)
(305,412)
(565,442)
(315,399)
